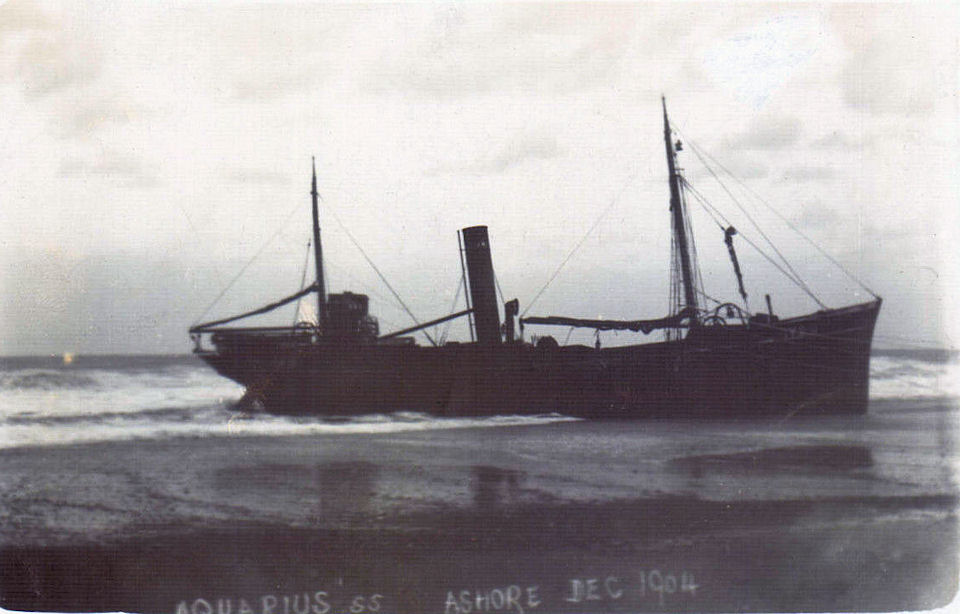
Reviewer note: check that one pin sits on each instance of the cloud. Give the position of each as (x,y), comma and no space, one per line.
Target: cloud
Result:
(878,79)
(837,140)
(50,65)
(740,167)
(523,148)
(755,63)
(107,164)
(258,177)
(83,118)
(767,134)
(808,173)
(528,147)
(255,52)
(60,301)
(43,54)
(506,50)
(266,85)
(23,16)
(902,59)
(817,215)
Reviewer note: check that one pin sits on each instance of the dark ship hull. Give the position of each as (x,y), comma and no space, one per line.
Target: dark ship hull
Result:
(719,363)
(814,364)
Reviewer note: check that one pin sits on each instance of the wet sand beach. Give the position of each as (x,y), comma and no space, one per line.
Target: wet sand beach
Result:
(852,513)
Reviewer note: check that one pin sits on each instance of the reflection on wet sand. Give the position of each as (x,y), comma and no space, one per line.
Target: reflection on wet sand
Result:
(326,493)
(338,491)
(817,458)
(344,488)
(494,487)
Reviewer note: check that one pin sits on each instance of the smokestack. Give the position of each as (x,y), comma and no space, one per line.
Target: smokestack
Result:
(483,292)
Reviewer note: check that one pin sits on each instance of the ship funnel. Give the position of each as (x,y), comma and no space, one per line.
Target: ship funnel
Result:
(483,291)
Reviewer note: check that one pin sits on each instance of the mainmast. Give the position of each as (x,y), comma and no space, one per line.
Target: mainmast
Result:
(317,249)
(679,224)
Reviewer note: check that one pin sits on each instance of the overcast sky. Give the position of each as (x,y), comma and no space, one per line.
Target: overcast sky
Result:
(150,150)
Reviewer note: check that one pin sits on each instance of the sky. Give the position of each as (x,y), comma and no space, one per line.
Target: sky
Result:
(151,150)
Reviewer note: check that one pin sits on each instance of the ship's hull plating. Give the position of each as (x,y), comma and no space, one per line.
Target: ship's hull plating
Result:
(815,364)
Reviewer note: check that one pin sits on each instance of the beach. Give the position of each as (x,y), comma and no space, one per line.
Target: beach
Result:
(845,513)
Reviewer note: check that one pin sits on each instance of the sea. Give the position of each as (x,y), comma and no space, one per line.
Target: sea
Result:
(62,400)
(72,399)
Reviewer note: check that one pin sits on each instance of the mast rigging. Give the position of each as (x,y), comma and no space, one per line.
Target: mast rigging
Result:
(317,248)
(679,223)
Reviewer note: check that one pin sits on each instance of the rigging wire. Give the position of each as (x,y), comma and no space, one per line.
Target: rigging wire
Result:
(708,297)
(797,278)
(676,287)
(712,211)
(766,256)
(453,305)
(384,299)
(379,274)
(789,224)
(695,260)
(613,201)
(276,233)
(303,282)
(391,323)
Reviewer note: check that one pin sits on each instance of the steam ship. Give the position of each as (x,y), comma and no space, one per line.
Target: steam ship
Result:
(714,362)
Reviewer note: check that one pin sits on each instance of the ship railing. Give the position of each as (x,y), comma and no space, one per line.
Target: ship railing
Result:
(724,312)
(305,333)
(680,320)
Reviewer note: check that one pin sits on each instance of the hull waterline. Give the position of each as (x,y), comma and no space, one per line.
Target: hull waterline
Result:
(814,364)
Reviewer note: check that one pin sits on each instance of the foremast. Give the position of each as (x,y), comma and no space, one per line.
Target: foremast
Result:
(679,224)
(317,248)
(684,310)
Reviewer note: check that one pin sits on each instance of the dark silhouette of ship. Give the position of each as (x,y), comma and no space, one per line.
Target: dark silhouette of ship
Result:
(718,362)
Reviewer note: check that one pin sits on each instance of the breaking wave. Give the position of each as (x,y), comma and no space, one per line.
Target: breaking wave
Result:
(221,421)
(125,398)
(45,380)
(906,377)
